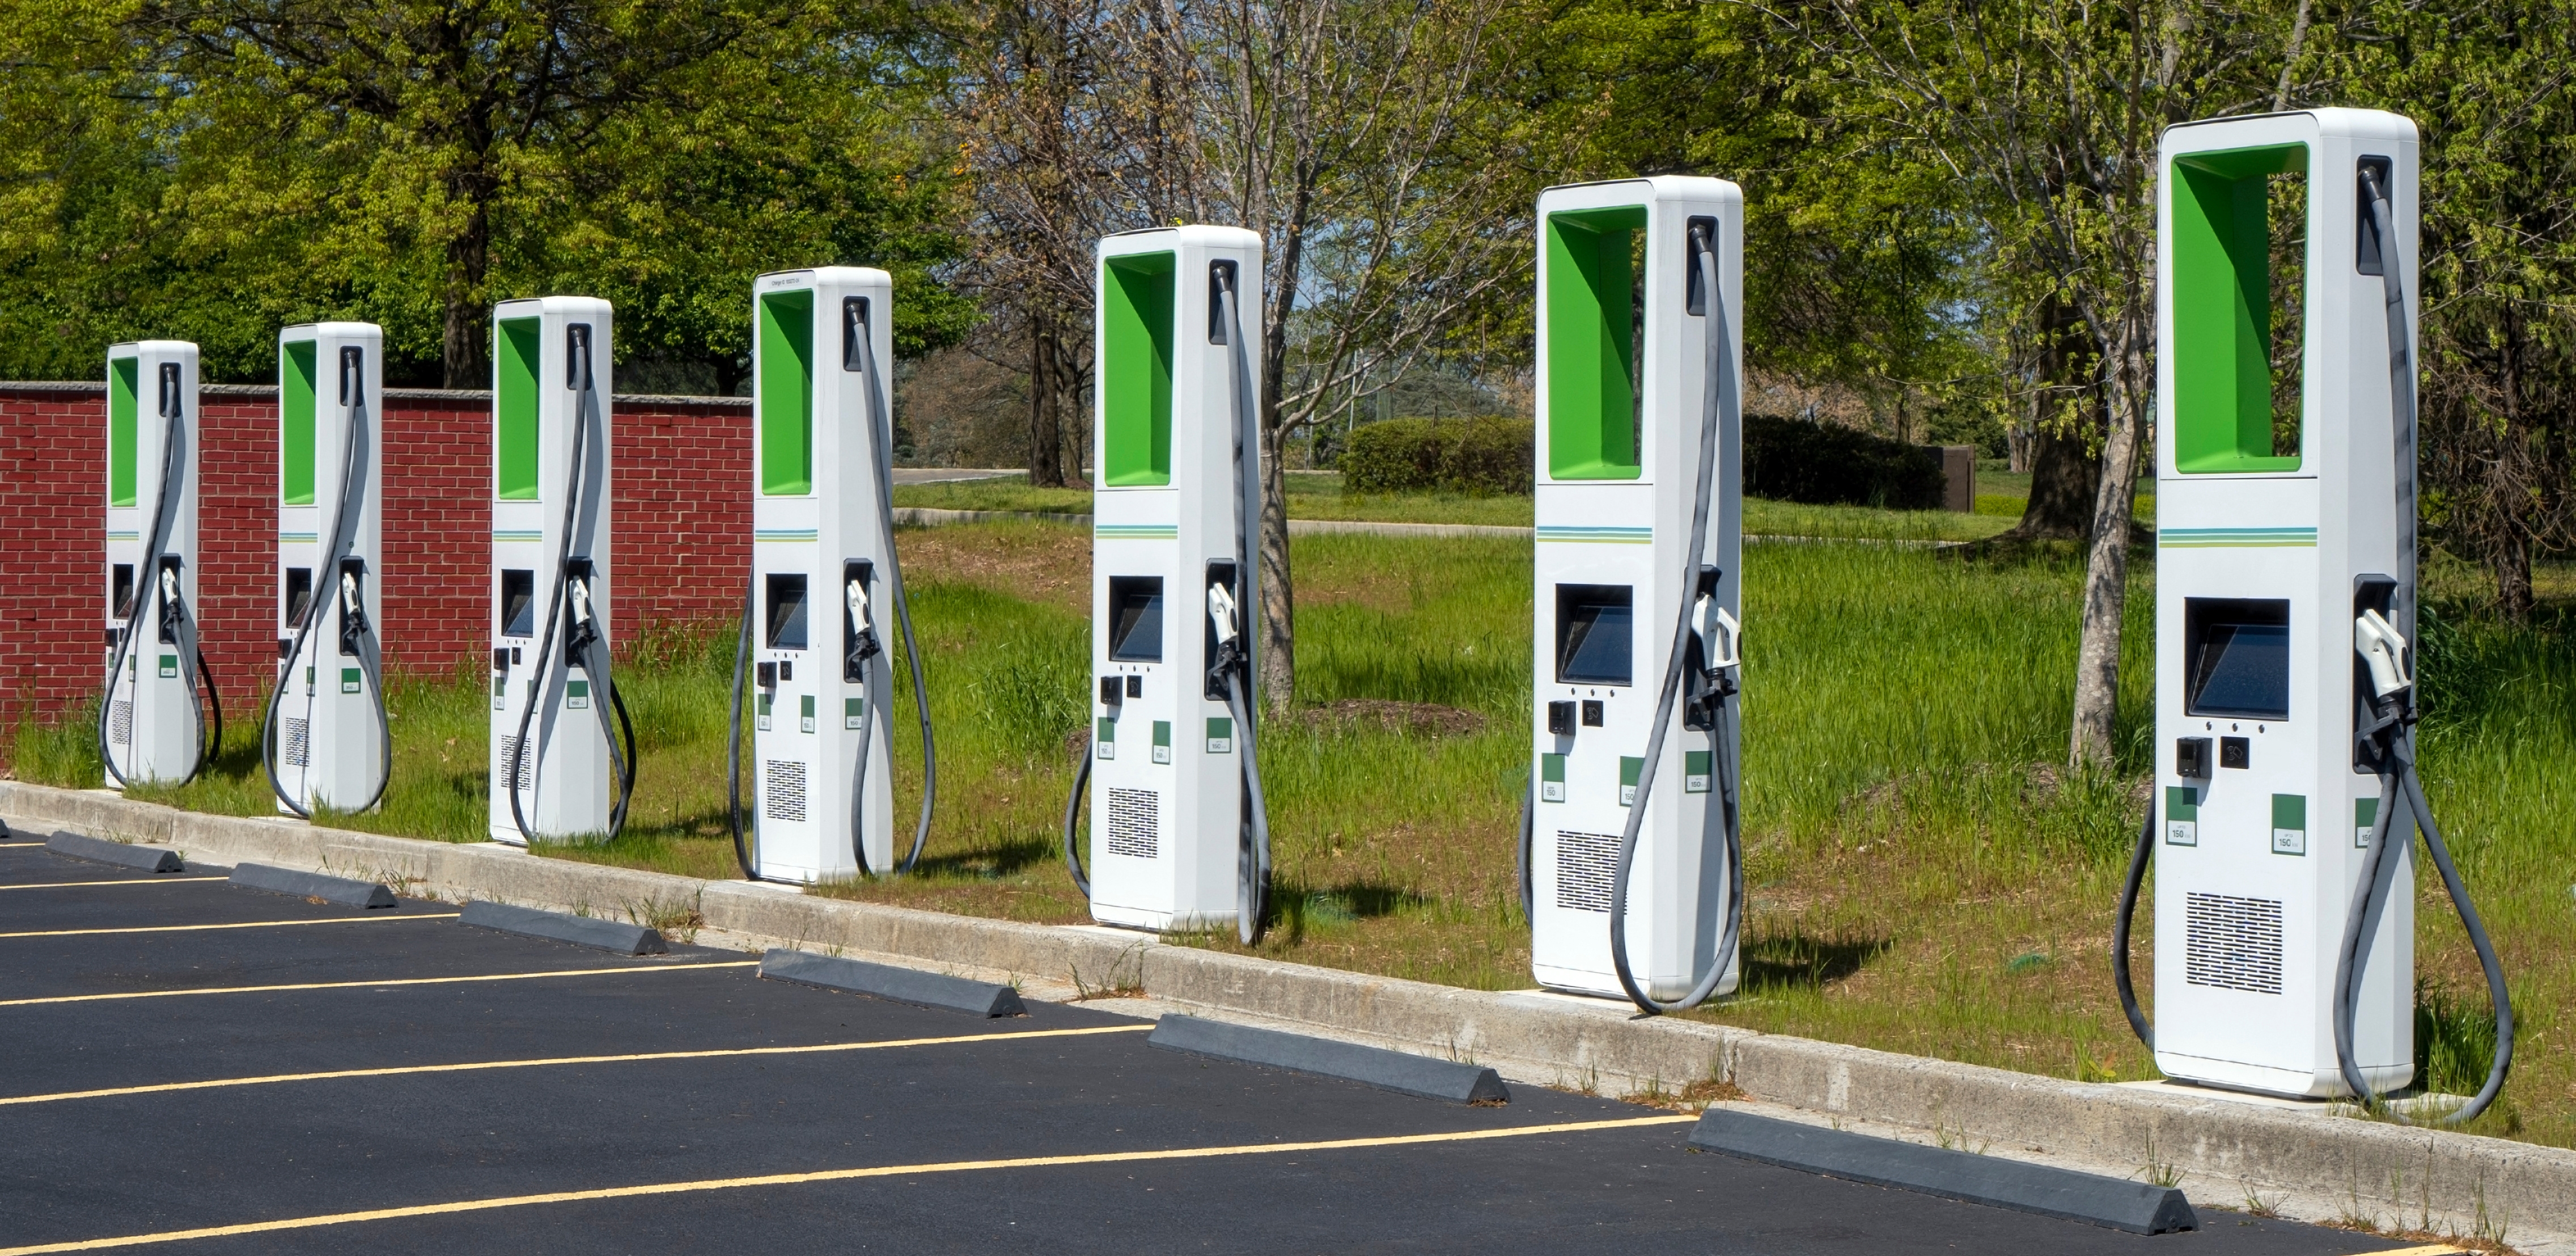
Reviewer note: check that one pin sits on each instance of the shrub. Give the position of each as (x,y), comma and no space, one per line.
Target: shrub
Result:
(1478,456)
(1798,461)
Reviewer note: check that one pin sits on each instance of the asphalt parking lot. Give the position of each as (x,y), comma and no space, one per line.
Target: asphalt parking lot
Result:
(194,1067)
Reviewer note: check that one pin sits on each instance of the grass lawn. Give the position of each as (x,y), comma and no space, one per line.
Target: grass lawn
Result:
(1319,495)
(1923,878)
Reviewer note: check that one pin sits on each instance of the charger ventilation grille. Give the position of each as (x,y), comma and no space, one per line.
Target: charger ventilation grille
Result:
(1585,865)
(521,772)
(2233,943)
(782,790)
(1135,817)
(120,722)
(294,743)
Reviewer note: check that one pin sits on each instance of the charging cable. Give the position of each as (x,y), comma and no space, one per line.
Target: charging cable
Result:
(357,632)
(177,625)
(1233,661)
(583,646)
(1713,684)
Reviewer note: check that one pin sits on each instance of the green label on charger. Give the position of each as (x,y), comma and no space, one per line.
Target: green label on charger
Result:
(1551,778)
(1220,735)
(851,713)
(348,680)
(2182,816)
(2365,817)
(1628,770)
(1162,741)
(1105,735)
(169,665)
(577,694)
(1695,772)
(2289,824)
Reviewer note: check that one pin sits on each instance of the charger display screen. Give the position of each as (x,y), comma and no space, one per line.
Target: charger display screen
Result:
(2239,656)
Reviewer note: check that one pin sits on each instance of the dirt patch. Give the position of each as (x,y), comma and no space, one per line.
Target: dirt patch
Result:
(1042,563)
(1428,719)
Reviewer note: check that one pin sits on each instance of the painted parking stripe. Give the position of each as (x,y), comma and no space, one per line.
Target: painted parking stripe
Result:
(244,924)
(360,985)
(643,1057)
(831,1175)
(65,885)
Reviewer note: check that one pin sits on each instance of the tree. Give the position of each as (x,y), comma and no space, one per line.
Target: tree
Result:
(1358,140)
(2051,111)
(2490,91)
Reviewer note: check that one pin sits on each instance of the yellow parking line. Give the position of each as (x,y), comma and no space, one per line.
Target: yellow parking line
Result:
(478,1066)
(2434,1249)
(356,985)
(246,924)
(65,885)
(830,1175)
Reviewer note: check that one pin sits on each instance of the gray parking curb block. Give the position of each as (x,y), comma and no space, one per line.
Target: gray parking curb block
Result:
(607,935)
(884,981)
(140,858)
(1416,1075)
(346,891)
(2137,1207)
(2319,1167)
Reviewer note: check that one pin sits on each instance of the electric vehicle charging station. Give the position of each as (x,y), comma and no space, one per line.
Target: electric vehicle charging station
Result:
(1179,833)
(563,751)
(325,738)
(153,718)
(823,552)
(2285,599)
(1639,545)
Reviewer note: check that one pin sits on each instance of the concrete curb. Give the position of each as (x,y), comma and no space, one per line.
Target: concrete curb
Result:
(2221,1148)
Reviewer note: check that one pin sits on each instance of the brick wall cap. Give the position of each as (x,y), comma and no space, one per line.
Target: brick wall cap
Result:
(458,396)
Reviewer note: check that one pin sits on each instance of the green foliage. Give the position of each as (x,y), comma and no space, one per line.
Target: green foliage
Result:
(1819,463)
(213,169)
(1472,456)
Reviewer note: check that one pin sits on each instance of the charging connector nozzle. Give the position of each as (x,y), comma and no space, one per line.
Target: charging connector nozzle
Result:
(2384,652)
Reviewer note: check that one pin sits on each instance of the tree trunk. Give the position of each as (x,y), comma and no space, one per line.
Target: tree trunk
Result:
(2064,474)
(1046,393)
(464,343)
(1278,592)
(2106,569)
(2511,563)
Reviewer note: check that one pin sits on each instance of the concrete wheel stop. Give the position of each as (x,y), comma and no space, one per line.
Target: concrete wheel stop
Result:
(884,981)
(607,935)
(2114,1203)
(1416,1075)
(346,891)
(96,850)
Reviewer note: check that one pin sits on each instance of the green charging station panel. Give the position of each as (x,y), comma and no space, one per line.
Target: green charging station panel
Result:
(123,374)
(1591,346)
(1136,378)
(787,393)
(2222,309)
(295,418)
(514,444)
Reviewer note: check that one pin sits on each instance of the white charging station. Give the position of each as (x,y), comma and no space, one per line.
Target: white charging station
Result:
(2285,598)
(824,581)
(326,740)
(1638,435)
(1179,837)
(562,759)
(153,724)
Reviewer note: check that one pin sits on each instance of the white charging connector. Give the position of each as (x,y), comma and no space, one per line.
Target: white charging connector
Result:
(1221,609)
(580,601)
(169,586)
(349,594)
(856,593)
(1721,639)
(2384,651)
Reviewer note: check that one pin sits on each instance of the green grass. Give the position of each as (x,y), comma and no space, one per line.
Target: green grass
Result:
(1923,878)
(1319,495)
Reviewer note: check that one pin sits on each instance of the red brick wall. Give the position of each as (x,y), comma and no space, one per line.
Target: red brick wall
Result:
(683,519)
